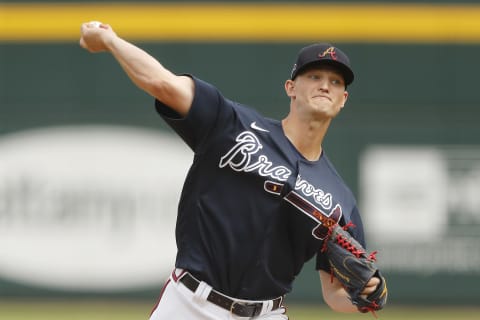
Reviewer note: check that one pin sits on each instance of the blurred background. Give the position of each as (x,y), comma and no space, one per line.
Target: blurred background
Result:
(90,175)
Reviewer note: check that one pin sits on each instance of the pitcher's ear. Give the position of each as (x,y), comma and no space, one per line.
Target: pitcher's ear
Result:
(289,87)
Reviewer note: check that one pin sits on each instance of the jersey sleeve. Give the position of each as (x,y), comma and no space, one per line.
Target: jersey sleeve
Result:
(204,113)
(357,232)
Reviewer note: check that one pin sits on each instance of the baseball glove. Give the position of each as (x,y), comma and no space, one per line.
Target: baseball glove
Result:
(353,267)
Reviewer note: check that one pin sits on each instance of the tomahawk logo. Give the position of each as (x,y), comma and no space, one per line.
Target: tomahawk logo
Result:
(323,218)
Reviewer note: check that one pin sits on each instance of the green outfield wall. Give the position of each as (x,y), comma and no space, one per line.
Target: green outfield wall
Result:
(419,95)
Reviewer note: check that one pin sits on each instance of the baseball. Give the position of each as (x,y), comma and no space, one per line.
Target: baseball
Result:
(95,24)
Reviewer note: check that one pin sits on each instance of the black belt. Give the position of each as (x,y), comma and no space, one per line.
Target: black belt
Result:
(242,309)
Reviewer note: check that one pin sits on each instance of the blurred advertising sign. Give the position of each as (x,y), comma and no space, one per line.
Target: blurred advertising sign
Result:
(421,205)
(89,207)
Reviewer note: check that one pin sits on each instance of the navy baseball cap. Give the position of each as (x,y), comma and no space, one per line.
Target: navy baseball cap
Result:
(323,53)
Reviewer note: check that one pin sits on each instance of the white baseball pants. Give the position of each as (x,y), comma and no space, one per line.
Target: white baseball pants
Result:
(178,302)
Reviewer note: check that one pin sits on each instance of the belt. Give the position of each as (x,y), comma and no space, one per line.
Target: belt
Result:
(242,309)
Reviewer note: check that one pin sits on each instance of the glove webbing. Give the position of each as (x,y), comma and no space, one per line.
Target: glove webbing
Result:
(330,224)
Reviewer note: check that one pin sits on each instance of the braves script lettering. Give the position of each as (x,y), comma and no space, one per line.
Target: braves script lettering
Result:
(239,158)
(320,197)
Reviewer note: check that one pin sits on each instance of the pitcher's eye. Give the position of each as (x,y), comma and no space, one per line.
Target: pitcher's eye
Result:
(337,82)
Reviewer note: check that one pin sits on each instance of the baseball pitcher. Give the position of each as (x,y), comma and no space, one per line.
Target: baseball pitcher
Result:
(261,196)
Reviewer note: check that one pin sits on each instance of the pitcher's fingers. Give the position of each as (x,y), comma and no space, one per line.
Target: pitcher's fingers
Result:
(82,43)
(371,286)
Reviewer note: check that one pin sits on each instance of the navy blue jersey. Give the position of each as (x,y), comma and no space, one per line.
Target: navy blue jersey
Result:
(248,216)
